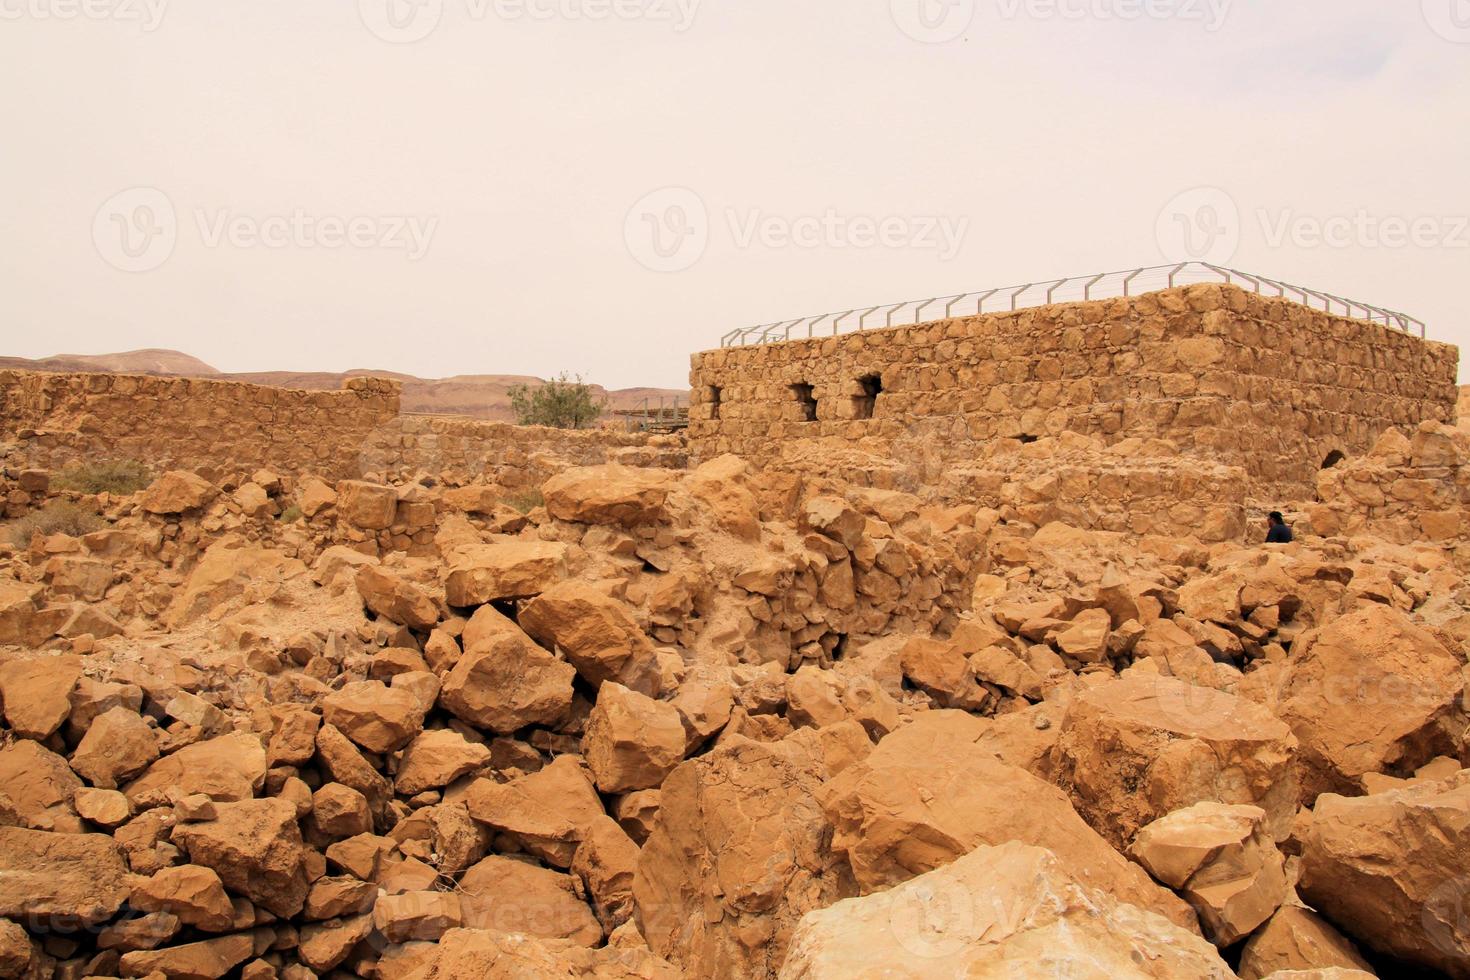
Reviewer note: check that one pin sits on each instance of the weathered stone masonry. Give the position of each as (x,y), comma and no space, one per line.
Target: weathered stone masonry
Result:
(191,423)
(218,427)
(1263,383)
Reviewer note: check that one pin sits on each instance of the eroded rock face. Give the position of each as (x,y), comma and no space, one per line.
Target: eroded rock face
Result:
(928,795)
(1389,870)
(1007,911)
(1139,748)
(1371,693)
(738,854)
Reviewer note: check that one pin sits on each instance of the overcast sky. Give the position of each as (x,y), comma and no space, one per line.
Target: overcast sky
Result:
(451,187)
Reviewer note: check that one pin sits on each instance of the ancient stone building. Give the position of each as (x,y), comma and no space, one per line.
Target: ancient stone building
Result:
(1271,386)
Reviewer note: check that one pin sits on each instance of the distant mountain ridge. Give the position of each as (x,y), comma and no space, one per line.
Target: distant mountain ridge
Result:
(485,396)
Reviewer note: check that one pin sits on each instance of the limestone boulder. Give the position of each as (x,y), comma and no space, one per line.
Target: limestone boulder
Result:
(506,683)
(194,894)
(118,746)
(506,895)
(606,861)
(1013,911)
(478,954)
(177,492)
(393,597)
(929,794)
(434,759)
(255,847)
(1297,939)
(1371,692)
(632,742)
(1389,870)
(39,786)
(226,769)
(941,669)
(739,852)
(511,568)
(60,879)
(610,495)
(595,633)
(1140,747)
(549,812)
(37,693)
(377,717)
(206,960)
(225,574)
(21,622)
(417,916)
(369,506)
(1222,861)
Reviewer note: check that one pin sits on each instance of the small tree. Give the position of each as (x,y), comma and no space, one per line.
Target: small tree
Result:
(561,403)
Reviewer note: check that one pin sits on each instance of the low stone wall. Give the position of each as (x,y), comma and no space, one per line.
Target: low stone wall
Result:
(463,451)
(1265,384)
(211,427)
(218,428)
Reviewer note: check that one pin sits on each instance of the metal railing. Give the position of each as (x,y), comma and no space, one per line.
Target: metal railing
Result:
(644,416)
(1105,285)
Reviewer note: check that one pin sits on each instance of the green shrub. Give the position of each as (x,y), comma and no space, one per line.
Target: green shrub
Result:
(120,477)
(57,517)
(561,403)
(291,515)
(526,501)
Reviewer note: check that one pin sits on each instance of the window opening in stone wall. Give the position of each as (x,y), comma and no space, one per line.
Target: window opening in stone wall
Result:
(865,404)
(806,397)
(715,392)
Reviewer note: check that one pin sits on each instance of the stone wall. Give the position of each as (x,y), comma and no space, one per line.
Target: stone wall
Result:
(463,451)
(217,428)
(1406,489)
(190,423)
(1262,383)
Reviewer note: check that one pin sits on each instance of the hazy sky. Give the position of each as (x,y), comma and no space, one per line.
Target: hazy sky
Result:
(604,186)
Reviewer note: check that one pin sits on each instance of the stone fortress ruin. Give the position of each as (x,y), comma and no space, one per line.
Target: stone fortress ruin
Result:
(337,691)
(1268,384)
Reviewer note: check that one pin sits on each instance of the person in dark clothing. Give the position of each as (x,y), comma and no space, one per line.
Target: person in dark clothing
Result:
(1278,532)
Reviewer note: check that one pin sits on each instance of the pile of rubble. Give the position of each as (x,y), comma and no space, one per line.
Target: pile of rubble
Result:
(721,723)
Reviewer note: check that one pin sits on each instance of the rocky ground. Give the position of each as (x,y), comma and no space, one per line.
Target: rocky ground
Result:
(726,723)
